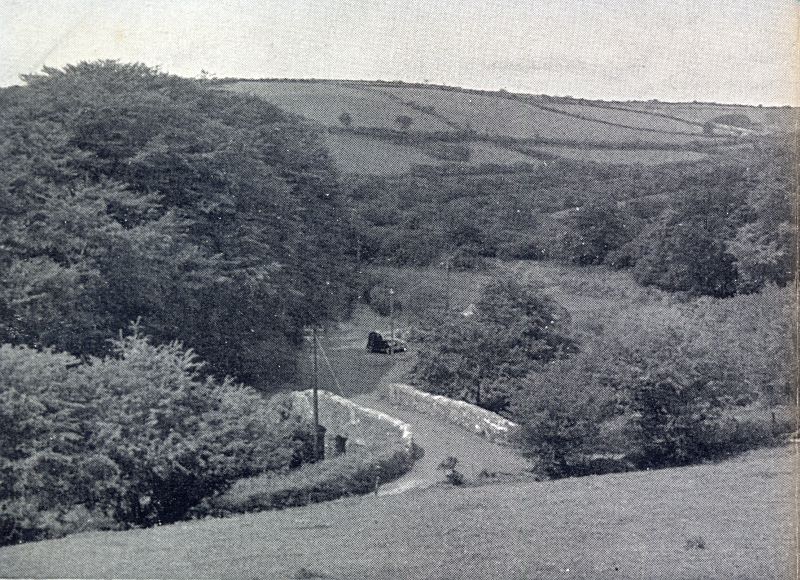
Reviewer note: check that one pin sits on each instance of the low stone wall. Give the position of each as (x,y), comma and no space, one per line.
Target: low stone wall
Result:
(361,427)
(480,421)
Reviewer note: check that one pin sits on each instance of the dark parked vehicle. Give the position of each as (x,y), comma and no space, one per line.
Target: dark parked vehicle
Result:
(376,343)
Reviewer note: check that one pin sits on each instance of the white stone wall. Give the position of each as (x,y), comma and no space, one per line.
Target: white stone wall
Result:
(362,426)
(469,416)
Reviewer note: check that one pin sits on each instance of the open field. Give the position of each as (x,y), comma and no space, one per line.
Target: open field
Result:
(494,114)
(485,152)
(631,118)
(363,155)
(773,118)
(633,525)
(323,102)
(500,115)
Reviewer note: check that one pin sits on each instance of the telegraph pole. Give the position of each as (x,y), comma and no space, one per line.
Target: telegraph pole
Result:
(315,398)
(391,321)
(447,286)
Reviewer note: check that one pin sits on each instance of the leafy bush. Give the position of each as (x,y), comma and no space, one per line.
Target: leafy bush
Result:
(678,253)
(696,543)
(478,358)
(658,392)
(681,398)
(594,230)
(135,439)
(560,421)
(455,477)
(468,258)
(452,475)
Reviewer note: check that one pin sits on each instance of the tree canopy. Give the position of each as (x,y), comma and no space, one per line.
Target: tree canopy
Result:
(481,358)
(129,193)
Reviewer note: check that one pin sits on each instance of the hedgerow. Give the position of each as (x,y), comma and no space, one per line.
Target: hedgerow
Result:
(357,472)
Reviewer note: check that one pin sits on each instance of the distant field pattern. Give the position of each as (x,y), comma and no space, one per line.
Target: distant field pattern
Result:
(497,115)
(773,118)
(615,133)
(325,102)
(645,120)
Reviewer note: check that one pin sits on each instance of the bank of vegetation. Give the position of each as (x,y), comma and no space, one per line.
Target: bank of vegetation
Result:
(134,439)
(128,193)
(717,227)
(667,385)
(213,219)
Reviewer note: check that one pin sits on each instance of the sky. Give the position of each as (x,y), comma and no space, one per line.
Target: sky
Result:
(742,51)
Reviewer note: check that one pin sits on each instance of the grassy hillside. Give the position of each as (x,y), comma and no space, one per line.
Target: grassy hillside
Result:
(501,114)
(365,155)
(360,154)
(636,525)
(325,102)
(772,118)
(648,133)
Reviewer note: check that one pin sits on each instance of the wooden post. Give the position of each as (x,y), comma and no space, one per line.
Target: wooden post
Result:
(447,286)
(315,400)
(391,321)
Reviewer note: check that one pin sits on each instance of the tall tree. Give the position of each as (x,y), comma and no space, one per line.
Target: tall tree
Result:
(214,217)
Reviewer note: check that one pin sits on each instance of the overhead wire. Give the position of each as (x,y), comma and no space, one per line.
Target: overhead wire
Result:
(330,368)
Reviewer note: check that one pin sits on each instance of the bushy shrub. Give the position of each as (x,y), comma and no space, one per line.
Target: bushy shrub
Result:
(594,230)
(681,400)
(134,439)
(651,393)
(468,258)
(455,477)
(380,300)
(479,358)
(522,246)
(560,421)
(678,253)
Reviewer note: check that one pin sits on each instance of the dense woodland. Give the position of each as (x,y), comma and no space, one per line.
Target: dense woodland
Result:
(718,227)
(209,218)
(128,193)
(219,225)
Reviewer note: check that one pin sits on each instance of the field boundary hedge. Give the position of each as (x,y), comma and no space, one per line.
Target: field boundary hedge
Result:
(388,456)
(471,417)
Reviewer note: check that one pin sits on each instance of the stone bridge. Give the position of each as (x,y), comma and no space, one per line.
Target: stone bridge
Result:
(350,426)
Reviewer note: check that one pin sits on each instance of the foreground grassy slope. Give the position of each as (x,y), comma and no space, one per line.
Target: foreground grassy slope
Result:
(615,526)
